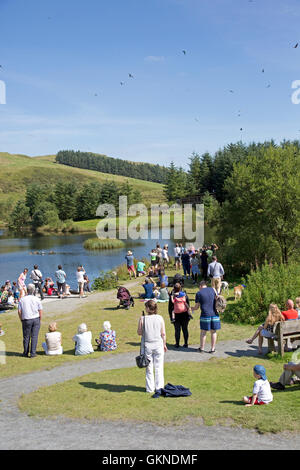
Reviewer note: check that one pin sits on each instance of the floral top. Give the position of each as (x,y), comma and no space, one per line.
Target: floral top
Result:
(108,340)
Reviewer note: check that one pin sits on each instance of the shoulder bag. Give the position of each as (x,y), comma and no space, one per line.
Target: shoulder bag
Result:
(142,360)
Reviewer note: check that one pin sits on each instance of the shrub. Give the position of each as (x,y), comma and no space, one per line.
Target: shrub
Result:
(103,243)
(105,281)
(269,284)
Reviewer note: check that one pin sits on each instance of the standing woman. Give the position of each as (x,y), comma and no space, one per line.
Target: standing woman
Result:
(154,339)
(179,311)
(21,283)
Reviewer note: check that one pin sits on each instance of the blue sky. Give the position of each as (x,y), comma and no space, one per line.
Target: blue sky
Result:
(63,61)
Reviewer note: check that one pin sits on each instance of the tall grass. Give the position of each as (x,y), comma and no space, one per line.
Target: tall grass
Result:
(103,243)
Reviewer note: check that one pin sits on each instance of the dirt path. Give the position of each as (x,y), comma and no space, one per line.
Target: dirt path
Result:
(19,431)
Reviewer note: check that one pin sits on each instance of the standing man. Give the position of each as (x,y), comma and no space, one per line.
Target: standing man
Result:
(215,272)
(209,319)
(37,279)
(60,276)
(30,314)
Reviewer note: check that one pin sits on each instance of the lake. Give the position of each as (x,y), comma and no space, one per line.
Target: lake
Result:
(17,254)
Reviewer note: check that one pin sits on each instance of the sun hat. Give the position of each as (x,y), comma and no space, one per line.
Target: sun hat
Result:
(260,370)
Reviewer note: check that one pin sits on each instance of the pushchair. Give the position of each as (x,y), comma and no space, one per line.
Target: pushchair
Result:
(125,298)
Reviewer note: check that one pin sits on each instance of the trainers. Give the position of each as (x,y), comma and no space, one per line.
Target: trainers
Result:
(277,386)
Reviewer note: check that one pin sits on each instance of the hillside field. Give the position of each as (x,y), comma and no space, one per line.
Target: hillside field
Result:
(17,171)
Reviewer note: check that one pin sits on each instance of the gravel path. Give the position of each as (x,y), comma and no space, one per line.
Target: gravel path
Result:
(19,431)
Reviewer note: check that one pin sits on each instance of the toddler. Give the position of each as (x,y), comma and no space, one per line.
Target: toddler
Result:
(261,394)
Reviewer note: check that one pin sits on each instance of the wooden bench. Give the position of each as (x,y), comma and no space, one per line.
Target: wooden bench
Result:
(283,331)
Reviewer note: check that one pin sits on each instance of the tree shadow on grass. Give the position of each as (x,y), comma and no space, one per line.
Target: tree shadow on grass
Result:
(112,388)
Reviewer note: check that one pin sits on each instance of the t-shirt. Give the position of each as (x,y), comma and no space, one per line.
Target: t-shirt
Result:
(177,251)
(29,307)
(79,276)
(129,259)
(263,390)
(140,266)
(60,276)
(290,314)
(163,294)
(83,343)
(206,298)
(148,290)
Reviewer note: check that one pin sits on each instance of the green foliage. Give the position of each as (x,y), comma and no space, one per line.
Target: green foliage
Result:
(20,218)
(105,281)
(103,243)
(262,211)
(268,284)
(115,166)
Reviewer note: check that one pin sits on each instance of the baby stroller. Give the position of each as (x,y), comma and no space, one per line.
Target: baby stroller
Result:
(126,300)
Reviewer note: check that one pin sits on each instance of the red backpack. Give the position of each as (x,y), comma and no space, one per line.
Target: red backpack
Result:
(180,305)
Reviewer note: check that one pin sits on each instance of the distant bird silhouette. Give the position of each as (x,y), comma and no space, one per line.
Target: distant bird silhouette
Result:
(296,45)
(95,94)
(197,120)
(130,76)
(231,91)
(241,129)
(122,83)
(268,86)
(184,52)
(263,71)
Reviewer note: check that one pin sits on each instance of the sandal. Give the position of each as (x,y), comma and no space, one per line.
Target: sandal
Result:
(200,350)
(212,351)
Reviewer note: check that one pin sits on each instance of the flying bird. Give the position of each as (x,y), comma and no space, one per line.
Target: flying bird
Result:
(122,83)
(184,52)
(296,45)
(268,86)
(241,129)
(263,71)
(130,76)
(231,91)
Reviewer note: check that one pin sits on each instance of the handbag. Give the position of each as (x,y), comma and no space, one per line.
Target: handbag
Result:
(142,360)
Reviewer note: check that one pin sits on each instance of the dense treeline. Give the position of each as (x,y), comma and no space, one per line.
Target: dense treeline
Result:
(251,195)
(114,166)
(56,206)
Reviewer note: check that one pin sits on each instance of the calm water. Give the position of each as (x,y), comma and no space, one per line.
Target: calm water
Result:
(18,253)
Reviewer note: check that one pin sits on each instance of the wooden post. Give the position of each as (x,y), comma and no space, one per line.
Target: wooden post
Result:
(280,339)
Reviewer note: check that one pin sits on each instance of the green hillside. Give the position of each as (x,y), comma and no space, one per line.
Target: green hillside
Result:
(17,171)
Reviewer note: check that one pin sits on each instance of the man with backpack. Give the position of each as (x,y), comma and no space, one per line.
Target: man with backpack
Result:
(37,279)
(206,299)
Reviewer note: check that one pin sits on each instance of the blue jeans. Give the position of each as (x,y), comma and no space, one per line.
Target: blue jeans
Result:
(31,330)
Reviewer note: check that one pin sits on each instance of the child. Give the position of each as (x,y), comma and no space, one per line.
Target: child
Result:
(10,298)
(262,394)
(180,304)
(15,291)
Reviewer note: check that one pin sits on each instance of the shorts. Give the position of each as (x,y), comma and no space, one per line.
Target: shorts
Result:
(80,285)
(266,333)
(61,286)
(210,323)
(131,269)
(153,262)
(16,295)
(256,401)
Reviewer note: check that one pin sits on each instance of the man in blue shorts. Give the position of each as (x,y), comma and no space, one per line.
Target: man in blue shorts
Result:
(209,319)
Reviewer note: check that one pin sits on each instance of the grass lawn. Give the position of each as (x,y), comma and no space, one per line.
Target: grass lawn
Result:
(217,388)
(94,314)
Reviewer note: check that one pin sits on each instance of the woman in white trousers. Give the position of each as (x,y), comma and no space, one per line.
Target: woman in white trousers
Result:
(154,340)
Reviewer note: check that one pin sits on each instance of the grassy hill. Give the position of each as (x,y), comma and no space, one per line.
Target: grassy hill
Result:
(17,171)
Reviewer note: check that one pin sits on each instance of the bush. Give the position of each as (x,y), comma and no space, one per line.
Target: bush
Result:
(103,243)
(269,284)
(105,281)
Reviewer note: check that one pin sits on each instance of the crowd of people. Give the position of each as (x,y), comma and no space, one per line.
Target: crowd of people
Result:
(195,264)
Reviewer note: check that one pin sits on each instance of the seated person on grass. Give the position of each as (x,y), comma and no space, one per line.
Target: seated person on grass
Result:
(107,338)
(163,293)
(140,268)
(52,346)
(261,394)
(289,370)
(83,341)
(148,287)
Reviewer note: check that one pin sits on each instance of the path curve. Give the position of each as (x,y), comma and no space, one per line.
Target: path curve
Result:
(19,431)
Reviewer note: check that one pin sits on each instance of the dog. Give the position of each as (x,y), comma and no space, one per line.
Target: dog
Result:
(225,286)
(238,290)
